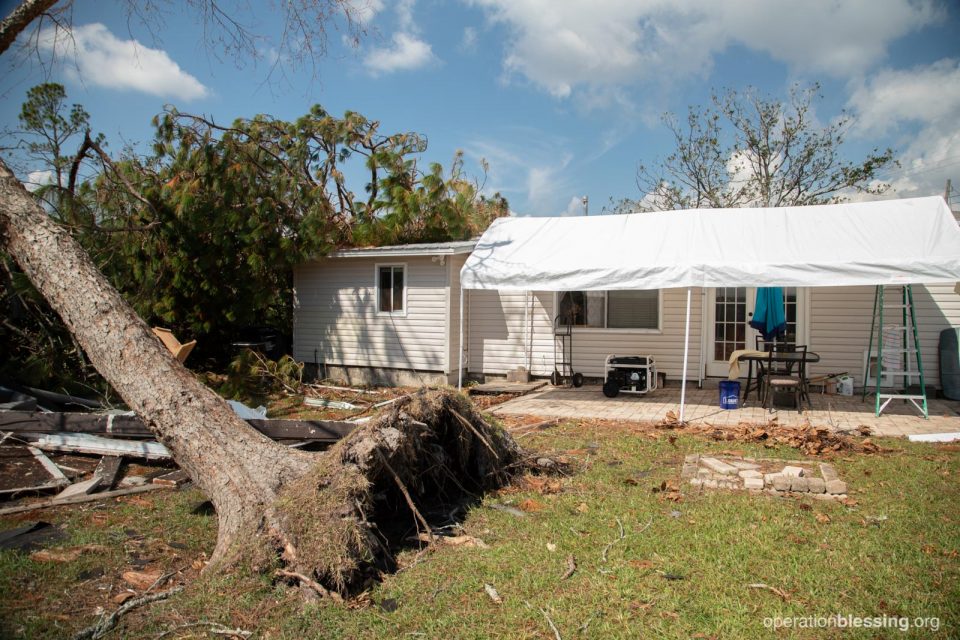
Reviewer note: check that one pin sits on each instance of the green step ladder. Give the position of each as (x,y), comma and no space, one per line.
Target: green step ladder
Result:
(908,344)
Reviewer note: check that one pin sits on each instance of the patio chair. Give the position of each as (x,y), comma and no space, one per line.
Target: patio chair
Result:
(781,376)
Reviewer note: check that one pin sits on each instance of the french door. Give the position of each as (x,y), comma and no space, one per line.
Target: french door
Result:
(729,312)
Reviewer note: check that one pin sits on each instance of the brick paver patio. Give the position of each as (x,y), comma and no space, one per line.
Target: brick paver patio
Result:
(836,412)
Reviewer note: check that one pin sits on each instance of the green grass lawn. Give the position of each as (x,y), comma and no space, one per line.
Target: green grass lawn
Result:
(681,569)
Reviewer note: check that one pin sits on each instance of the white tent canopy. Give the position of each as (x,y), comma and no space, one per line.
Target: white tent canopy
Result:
(867,243)
(885,242)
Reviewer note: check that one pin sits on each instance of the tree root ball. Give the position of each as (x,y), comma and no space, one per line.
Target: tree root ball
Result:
(385,484)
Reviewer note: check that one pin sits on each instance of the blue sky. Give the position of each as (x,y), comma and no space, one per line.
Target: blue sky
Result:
(562,99)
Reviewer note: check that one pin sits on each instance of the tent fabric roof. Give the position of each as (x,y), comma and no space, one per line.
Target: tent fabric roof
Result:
(884,242)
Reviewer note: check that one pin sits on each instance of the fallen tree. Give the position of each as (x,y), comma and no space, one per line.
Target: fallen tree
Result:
(314,516)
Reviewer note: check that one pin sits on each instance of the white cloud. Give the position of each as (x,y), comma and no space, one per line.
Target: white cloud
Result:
(563,46)
(574,207)
(37,179)
(925,94)
(406,53)
(102,59)
(919,108)
(469,40)
(532,167)
(365,10)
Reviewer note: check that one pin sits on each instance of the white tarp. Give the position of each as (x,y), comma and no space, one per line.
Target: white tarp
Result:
(885,242)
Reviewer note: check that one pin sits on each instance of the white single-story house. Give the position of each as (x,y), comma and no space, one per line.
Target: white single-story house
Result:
(392,314)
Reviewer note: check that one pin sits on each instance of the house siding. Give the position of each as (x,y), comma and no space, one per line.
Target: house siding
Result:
(499,336)
(454,264)
(840,320)
(336,323)
(498,332)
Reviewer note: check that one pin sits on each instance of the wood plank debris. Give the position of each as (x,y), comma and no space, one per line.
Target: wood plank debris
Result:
(329,404)
(371,392)
(82,488)
(86,443)
(133,426)
(55,502)
(500,386)
(107,471)
(55,472)
(176,478)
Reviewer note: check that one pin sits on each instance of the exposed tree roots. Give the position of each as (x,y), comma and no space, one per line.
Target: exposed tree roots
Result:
(387,486)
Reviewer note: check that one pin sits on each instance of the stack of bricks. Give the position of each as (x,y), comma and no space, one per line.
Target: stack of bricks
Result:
(747,473)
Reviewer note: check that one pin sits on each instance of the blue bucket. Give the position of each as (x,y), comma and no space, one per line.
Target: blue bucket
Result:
(729,394)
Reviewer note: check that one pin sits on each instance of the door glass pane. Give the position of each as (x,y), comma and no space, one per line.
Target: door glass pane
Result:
(790,312)
(731,314)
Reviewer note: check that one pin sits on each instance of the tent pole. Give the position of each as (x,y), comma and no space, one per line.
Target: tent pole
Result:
(686,353)
(460,345)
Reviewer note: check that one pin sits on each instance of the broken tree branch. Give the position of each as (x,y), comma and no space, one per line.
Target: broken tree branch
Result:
(215,628)
(406,494)
(101,629)
(473,429)
(780,592)
(556,632)
(310,583)
(621,537)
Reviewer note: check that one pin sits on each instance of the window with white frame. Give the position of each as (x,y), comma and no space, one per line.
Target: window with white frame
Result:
(611,309)
(391,288)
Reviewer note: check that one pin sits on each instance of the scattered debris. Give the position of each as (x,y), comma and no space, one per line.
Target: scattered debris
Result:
(179,351)
(618,539)
(372,392)
(670,421)
(176,478)
(66,554)
(78,499)
(507,509)
(329,404)
(130,425)
(492,593)
(553,627)
(107,471)
(780,592)
(309,583)
(142,580)
(29,536)
(934,437)
(52,469)
(523,430)
(99,630)
(86,443)
(246,412)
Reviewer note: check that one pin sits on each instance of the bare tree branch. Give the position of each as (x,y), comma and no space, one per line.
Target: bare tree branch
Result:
(20,18)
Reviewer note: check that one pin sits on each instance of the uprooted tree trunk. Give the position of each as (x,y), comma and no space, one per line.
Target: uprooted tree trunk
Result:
(315,514)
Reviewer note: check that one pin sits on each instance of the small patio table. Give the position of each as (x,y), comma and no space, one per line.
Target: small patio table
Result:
(790,358)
